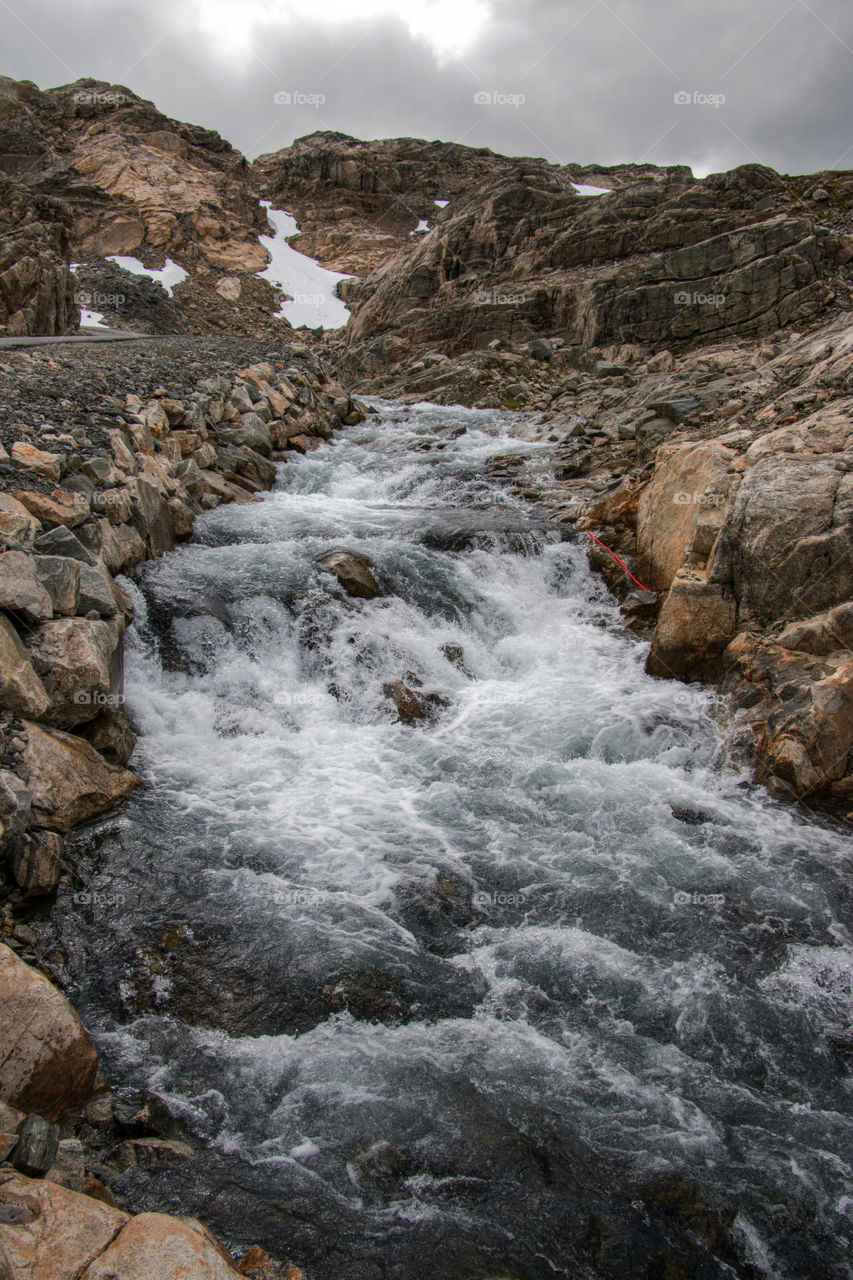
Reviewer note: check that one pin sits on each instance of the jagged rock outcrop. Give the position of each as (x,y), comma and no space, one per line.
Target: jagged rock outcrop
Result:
(37,291)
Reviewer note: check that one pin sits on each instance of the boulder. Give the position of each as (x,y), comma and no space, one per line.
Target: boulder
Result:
(41,461)
(70,781)
(787,546)
(21,690)
(96,593)
(252,432)
(79,663)
(48,1232)
(60,577)
(154,1246)
(21,590)
(352,571)
(690,487)
(47,1061)
(57,508)
(694,627)
(36,862)
(410,706)
(62,542)
(18,528)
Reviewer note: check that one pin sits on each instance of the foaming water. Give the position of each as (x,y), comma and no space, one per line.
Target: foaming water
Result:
(541,986)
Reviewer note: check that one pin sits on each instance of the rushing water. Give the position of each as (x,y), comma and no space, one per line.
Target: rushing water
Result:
(543,987)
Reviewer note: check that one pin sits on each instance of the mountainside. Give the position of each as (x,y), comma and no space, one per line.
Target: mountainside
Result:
(357,203)
(137,183)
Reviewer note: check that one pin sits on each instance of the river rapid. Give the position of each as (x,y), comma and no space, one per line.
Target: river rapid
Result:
(540,987)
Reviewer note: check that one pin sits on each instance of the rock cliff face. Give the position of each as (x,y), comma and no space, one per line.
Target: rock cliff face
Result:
(36,288)
(662,259)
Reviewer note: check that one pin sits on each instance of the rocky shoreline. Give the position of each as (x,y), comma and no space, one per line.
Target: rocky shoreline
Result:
(103,489)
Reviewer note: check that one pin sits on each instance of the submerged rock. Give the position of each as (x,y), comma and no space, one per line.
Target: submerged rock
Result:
(353,572)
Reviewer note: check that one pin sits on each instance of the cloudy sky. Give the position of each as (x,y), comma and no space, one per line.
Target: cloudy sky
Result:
(711,83)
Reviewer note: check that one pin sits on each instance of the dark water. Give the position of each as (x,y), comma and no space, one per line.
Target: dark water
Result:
(540,988)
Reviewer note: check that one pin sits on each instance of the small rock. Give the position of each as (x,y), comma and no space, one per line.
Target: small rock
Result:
(45,464)
(352,571)
(35,1150)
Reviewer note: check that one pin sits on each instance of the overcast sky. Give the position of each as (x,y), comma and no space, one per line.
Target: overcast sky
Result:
(584,80)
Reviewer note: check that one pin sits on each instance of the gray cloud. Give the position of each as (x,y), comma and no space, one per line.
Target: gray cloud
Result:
(588,80)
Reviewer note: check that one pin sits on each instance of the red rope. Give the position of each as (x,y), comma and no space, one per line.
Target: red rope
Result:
(616,558)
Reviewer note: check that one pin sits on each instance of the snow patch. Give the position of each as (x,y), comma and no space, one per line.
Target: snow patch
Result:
(583,189)
(311,287)
(423,225)
(442,204)
(168,276)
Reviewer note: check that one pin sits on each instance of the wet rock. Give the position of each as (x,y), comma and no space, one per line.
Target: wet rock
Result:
(153,1153)
(352,571)
(368,995)
(70,782)
(37,1145)
(47,1061)
(111,735)
(37,862)
(455,655)
(256,1264)
(410,706)
(21,591)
